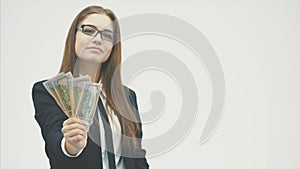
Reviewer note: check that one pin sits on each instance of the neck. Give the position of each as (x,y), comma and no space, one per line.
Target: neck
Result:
(83,67)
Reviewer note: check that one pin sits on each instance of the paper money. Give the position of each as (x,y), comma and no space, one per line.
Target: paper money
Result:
(62,90)
(75,87)
(75,96)
(88,102)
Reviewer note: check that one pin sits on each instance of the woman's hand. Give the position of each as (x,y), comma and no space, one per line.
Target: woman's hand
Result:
(75,135)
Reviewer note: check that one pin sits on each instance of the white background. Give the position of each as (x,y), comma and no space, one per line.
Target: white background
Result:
(258,46)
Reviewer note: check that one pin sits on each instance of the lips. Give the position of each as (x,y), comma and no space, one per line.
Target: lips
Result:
(96,48)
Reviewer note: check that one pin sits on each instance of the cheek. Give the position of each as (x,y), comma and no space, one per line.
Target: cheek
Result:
(77,48)
(107,55)
(80,42)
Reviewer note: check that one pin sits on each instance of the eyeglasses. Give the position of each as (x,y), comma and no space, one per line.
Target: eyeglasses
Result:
(91,30)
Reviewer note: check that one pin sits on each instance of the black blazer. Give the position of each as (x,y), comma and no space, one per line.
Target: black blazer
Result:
(50,118)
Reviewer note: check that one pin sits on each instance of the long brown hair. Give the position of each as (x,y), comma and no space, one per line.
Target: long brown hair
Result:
(116,99)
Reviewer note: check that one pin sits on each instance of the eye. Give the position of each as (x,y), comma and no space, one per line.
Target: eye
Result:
(89,30)
(108,36)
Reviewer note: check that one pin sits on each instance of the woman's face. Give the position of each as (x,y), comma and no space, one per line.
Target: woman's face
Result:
(92,48)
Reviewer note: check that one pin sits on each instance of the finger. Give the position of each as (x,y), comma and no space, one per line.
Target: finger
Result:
(74,132)
(71,120)
(75,139)
(74,120)
(73,126)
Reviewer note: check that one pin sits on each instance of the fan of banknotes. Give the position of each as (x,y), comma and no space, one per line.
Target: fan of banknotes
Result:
(75,96)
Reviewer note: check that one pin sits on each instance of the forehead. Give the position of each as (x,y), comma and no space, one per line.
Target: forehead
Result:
(101,21)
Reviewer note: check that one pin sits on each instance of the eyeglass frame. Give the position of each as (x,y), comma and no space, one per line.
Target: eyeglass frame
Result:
(98,31)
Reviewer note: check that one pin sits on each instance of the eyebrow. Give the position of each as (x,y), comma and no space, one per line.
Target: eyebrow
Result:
(108,30)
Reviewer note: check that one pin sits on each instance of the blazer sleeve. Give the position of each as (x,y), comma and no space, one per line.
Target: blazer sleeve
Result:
(140,163)
(50,119)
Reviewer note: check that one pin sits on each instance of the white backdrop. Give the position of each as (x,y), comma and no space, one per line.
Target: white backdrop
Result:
(258,46)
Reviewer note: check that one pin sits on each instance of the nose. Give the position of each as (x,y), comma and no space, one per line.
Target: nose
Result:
(98,38)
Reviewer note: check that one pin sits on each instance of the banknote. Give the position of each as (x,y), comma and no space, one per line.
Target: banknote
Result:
(75,89)
(88,102)
(75,96)
(62,90)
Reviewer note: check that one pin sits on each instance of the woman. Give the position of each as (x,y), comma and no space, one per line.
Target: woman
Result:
(93,48)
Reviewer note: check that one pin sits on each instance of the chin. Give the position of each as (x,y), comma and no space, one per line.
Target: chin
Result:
(92,58)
